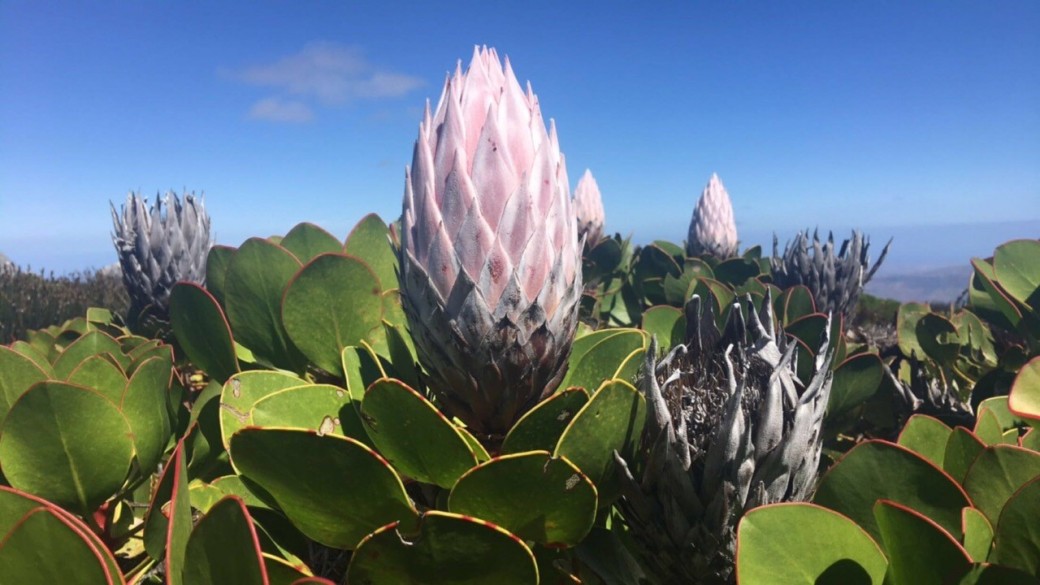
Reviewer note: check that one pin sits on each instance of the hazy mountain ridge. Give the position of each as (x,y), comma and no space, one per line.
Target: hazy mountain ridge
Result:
(933,284)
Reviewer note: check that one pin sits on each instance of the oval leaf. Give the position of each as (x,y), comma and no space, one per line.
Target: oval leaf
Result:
(413,435)
(445,549)
(831,548)
(335,490)
(533,495)
(332,303)
(202,330)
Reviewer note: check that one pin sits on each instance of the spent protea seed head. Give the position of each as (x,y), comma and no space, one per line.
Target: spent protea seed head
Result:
(588,207)
(729,427)
(158,246)
(713,231)
(834,277)
(490,260)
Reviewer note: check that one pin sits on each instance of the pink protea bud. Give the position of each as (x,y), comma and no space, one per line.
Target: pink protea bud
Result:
(490,265)
(712,229)
(588,206)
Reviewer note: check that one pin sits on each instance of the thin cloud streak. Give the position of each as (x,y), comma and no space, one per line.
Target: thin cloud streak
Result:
(276,109)
(322,73)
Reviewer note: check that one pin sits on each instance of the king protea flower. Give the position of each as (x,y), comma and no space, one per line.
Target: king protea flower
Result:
(588,206)
(490,261)
(712,229)
(159,247)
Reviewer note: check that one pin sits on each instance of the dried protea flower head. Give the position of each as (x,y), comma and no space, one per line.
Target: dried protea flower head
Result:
(713,230)
(490,261)
(158,247)
(729,427)
(920,391)
(835,279)
(588,206)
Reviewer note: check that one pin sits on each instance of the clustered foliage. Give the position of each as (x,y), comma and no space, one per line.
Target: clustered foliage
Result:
(433,402)
(33,300)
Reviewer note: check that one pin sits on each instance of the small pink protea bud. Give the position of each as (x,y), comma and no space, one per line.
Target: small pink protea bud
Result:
(490,264)
(588,206)
(712,229)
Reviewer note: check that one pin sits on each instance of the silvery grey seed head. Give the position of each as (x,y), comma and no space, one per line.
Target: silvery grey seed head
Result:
(729,427)
(713,231)
(835,278)
(160,246)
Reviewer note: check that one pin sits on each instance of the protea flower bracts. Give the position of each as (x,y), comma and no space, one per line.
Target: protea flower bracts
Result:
(490,260)
(835,279)
(713,231)
(588,207)
(729,428)
(159,247)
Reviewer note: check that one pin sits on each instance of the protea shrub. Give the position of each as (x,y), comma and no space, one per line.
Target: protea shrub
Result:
(920,391)
(729,427)
(588,207)
(835,279)
(158,247)
(713,231)
(490,260)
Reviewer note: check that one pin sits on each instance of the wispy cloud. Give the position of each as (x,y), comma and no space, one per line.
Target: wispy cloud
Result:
(322,73)
(276,109)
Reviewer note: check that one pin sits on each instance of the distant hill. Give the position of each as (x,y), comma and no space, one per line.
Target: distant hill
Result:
(935,284)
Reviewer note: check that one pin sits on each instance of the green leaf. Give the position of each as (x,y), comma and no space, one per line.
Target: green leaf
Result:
(14,505)
(1024,399)
(413,435)
(855,380)
(100,373)
(93,343)
(314,407)
(45,548)
(533,495)
(986,574)
(334,302)
(335,490)
(962,448)
(178,526)
(144,406)
(996,474)
(831,548)
(202,330)
(927,437)
(17,374)
(919,551)
(987,428)
(736,271)
(1017,268)
(595,357)
(1017,539)
(281,572)
(611,421)
(66,443)
(369,242)
(445,549)
(307,241)
(223,548)
(541,427)
(256,279)
(667,323)
(242,391)
(875,470)
(217,262)
(978,533)
(909,315)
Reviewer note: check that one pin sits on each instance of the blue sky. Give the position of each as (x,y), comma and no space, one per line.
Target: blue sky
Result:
(914,119)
